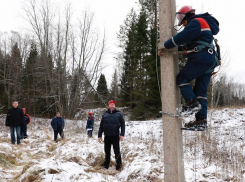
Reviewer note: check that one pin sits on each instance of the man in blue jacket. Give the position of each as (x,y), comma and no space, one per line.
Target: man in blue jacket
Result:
(112,120)
(196,39)
(58,125)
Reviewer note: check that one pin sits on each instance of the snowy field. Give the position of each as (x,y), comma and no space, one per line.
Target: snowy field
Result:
(215,155)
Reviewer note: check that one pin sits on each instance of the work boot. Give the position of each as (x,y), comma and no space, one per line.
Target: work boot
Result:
(118,166)
(200,124)
(105,165)
(191,106)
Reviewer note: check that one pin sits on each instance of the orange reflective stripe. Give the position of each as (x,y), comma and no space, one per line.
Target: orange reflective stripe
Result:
(29,119)
(204,25)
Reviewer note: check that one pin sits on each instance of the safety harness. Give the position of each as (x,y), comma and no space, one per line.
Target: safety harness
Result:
(205,46)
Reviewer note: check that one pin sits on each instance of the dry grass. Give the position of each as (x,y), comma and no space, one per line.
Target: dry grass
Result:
(5,139)
(211,148)
(52,147)
(27,166)
(97,166)
(98,161)
(53,171)
(101,170)
(130,157)
(47,135)
(33,176)
(7,160)
(77,160)
(63,141)
(153,178)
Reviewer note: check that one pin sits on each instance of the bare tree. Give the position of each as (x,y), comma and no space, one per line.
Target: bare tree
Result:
(221,70)
(87,53)
(61,43)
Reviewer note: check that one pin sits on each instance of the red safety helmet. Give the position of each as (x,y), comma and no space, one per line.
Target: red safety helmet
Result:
(90,113)
(24,109)
(184,13)
(111,101)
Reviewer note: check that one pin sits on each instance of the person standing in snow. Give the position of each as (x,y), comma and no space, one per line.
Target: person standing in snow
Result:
(196,39)
(90,124)
(58,125)
(14,119)
(27,121)
(112,120)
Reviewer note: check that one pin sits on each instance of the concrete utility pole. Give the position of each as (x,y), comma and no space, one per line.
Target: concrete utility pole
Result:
(172,133)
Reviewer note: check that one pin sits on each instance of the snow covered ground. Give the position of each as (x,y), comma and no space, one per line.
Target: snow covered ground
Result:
(216,155)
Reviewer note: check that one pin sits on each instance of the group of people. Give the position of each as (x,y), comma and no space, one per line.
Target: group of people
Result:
(111,122)
(58,124)
(17,119)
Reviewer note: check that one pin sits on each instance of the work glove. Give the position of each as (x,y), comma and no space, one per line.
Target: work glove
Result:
(162,50)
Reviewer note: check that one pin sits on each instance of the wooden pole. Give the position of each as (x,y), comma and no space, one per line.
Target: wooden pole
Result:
(172,133)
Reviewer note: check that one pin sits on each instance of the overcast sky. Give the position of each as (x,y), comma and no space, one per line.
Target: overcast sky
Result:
(110,14)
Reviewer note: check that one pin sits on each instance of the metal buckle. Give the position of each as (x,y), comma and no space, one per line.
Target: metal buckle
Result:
(210,51)
(195,49)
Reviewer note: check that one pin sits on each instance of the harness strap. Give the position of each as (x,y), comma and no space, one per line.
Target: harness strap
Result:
(183,84)
(206,44)
(201,97)
(203,46)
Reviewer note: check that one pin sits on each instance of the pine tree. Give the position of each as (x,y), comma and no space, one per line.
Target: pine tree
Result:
(16,67)
(3,91)
(139,84)
(114,91)
(29,81)
(102,91)
(127,39)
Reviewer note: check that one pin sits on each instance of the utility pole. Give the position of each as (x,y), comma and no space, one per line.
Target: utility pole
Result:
(172,133)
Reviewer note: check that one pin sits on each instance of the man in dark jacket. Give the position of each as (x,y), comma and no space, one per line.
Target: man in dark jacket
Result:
(90,124)
(112,120)
(197,40)
(27,121)
(58,125)
(14,119)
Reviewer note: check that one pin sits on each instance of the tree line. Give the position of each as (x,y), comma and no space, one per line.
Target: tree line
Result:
(53,66)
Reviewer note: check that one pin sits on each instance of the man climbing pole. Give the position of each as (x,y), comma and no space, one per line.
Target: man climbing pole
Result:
(196,40)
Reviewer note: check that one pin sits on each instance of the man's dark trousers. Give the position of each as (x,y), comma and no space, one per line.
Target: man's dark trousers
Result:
(23,131)
(108,141)
(200,67)
(59,131)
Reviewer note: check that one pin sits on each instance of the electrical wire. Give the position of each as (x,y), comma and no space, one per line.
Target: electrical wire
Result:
(158,82)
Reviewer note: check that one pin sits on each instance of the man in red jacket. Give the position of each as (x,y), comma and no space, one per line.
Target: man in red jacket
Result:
(27,121)
(90,124)
(111,121)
